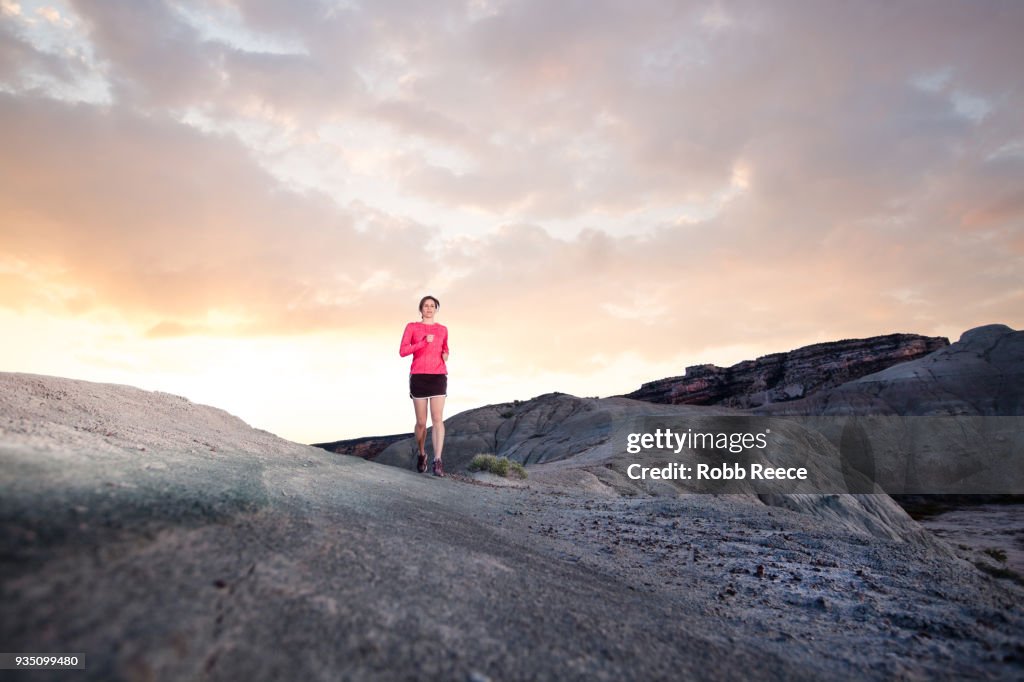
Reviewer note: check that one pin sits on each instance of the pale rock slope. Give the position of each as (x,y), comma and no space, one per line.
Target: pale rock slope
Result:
(168,540)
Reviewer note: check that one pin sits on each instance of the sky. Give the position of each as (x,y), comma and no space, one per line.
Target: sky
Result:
(242,201)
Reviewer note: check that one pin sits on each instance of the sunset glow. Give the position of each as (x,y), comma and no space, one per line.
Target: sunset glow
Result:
(242,201)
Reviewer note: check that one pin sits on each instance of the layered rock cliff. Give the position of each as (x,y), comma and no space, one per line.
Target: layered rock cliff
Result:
(982,374)
(782,377)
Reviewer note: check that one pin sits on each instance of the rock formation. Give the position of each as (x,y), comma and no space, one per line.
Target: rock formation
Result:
(782,377)
(366,447)
(169,540)
(548,427)
(982,374)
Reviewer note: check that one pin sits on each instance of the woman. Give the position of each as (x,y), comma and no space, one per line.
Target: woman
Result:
(427,341)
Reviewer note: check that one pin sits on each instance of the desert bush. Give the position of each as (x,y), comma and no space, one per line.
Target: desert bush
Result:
(502,466)
(1000,572)
(996,553)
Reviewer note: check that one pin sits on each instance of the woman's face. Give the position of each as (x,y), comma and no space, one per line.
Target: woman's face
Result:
(429,308)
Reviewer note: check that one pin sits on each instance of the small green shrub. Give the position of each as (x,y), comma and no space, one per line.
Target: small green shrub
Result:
(508,414)
(997,554)
(516,469)
(502,466)
(1000,572)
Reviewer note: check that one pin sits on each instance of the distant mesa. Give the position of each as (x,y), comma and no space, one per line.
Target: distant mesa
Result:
(793,375)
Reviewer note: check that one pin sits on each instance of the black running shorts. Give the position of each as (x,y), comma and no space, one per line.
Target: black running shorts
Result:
(428,385)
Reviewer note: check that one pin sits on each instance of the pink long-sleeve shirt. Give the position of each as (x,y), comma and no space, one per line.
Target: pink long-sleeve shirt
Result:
(426,357)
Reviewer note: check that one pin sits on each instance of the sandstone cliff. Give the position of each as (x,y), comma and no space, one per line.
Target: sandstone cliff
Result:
(781,377)
(981,375)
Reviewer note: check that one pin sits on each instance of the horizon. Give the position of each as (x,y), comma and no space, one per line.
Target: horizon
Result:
(524,399)
(242,202)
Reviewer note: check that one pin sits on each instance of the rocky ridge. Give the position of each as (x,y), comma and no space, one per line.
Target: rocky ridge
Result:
(982,374)
(979,376)
(169,540)
(792,375)
(366,447)
(518,429)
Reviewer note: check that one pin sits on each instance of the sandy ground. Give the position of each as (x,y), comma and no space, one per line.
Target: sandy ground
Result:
(168,540)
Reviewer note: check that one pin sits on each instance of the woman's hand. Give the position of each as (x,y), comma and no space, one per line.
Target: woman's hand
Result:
(430,338)
(444,356)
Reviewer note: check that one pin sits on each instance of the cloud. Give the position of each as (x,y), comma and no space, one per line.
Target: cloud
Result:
(53,16)
(157,58)
(21,62)
(835,195)
(557,109)
(156,220)
(415,118)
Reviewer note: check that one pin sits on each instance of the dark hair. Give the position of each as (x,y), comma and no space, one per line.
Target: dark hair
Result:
(437,303)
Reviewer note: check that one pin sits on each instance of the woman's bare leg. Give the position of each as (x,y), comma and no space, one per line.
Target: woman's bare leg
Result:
(420,404)
(437,421)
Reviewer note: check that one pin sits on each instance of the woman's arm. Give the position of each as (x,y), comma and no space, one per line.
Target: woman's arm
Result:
(407,347)
(444,347)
